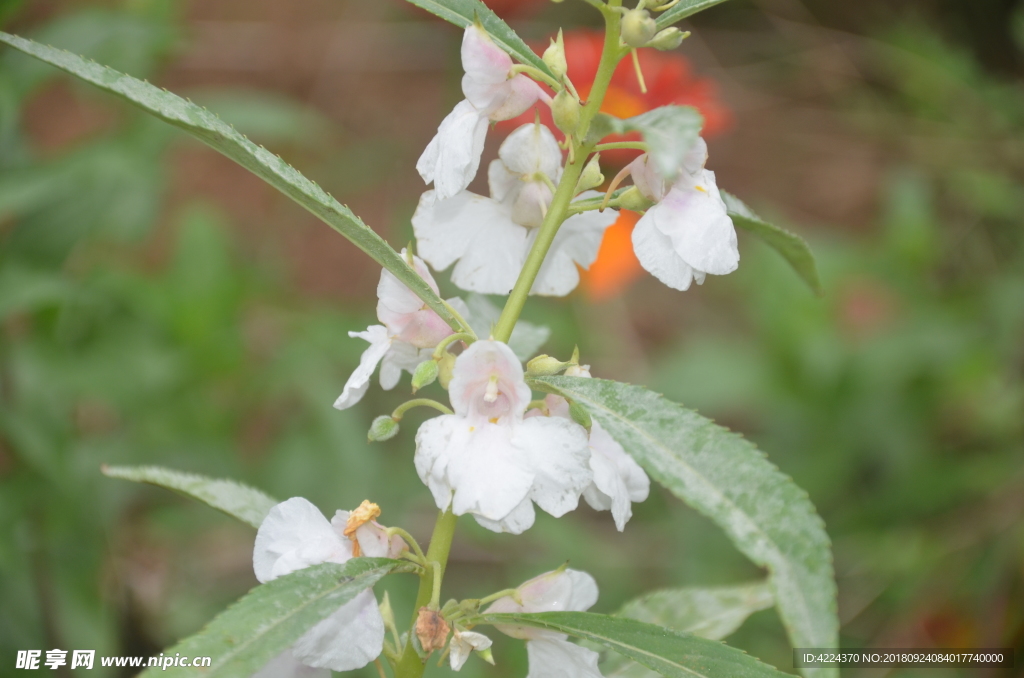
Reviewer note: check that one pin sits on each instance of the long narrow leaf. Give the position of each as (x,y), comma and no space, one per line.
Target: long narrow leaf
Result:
(674,655)
(685,8)
(214,132)
(717,472)
(464,12)
(235,499)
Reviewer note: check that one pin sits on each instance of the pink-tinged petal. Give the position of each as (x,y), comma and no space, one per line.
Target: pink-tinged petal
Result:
(700,228)
(656,254)
(532,148)
(576,244)
(287,665)
(488,383)
(463,643)
(485,83)
(521,93)
(452,157)
(357,384)
(293,536)
(557,452)
(557,658)
(349,639)
(395,299)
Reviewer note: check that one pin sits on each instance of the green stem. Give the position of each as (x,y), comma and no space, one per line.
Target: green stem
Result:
(410,665)
(451,339)
(418,402)
(537,74)
(558,211)
(633,145)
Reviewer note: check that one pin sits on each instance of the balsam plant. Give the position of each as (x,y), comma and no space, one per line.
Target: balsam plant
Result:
(498,453)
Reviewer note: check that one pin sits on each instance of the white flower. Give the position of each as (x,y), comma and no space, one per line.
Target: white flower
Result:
(490,238)
(295,535)
(688,233)
(452,157)
(287,665)
(549,653)
(408,336)
(618,479)
(463,643)
(486,460)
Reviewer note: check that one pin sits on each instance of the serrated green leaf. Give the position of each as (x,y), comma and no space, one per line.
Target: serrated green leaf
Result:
(464,12)
(268,619)
(792,247)
(669,132)
(685,8)
(672,654)
(717,472)
(220,136)
(235,499)
(711,613)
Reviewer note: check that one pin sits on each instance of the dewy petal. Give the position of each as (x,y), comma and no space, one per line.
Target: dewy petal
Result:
(477,230)
(558,454)
(452,157)
(700,228)
(287,665)
(618,479)
(556,658)
(532,148)
(349,639)
(463,643)
(577,243)
(656,254)
(293,536)
(358,382)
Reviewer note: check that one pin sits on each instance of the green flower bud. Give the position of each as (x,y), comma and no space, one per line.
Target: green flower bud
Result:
(444,369)
(670,38)
(580,415)
(545,366)
(554,56)
(425,374)
(591,176)
(566,112)
(486,655)
(638,28)
(634,200)
(382,428)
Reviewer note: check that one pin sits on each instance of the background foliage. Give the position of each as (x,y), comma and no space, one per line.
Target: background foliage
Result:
(157,306)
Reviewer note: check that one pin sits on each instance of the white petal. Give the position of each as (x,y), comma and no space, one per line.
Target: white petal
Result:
(557,452)
(618,479)
(395,298)
(646,178)
(522,93)
(462,644)
(530,203)
(701,231)
(432,456)
(577,242)
(293,536)
(486,472)
(349,639)
(358,382)
(501,181)
(518,521)
(474,369)
(452,157)
(555,658)
(401,356)
(532,148)
(656,254)
(287,665)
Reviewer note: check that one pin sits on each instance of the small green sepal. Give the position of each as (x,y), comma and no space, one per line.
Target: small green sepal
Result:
(424,375)
(383,428)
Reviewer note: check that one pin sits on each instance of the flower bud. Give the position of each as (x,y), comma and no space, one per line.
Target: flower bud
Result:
(634,200)
(544,366)
(425,374)
(382,428)
(566,112)
(580,415)
(670,38)
(554,56)
(591,176)
(487,655)
(431,629)
(638,28)
(444,369)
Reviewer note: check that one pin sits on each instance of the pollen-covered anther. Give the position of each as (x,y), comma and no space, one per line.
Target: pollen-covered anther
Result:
(491,392)
(366,512)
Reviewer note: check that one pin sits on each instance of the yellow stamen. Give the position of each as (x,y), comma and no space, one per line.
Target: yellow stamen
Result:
(701,189)
(366,512)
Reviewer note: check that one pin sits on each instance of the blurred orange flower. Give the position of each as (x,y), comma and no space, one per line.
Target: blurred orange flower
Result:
(669,80)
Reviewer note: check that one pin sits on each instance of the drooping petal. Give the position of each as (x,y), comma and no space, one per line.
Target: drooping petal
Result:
(557,452)
(349,639)
(656,254)
(359,381)
(618,479)
(433,444)
(287,665)
(486,472)
(293,536)
(486,82)
(701,231)
(518,521)
(577,243)
(452,157)
(463,643)
(557,658)
(488,383)
(558,591)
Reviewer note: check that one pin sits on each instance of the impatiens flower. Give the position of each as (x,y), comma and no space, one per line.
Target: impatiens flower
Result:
(487,460)
(287,665)
(295,535)
(452,157)
(688,233)
(408,336)
(618,479)
(491,237)
(463,643)
(550,654)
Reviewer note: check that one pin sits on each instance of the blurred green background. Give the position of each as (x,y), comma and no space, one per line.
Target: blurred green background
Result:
(158,305)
